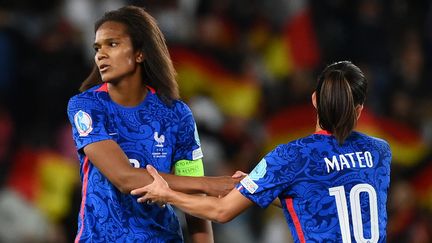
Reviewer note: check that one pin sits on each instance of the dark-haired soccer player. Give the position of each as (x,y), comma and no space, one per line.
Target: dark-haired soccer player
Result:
(127,116)
(332,184)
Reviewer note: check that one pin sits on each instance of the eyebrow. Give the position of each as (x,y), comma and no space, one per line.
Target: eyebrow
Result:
(97,44)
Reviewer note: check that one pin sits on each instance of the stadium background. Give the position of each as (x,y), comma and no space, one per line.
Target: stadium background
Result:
(247,68)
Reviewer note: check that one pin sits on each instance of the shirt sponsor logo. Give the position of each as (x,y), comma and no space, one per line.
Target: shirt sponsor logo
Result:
(83,123)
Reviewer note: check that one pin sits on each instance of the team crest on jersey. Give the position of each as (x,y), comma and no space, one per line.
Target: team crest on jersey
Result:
(159,151)
(159,139)
(83,123)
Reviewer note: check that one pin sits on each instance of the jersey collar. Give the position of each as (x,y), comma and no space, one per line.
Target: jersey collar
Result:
(323,132)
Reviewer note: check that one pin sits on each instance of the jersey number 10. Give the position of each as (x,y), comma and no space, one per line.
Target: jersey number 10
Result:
(357,222)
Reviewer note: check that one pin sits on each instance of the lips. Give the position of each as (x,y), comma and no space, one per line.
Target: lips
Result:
(103,67)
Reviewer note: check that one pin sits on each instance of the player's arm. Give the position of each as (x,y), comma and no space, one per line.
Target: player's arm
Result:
(277,203)
(110,159)
(216,209)
(241,174)
(200,230)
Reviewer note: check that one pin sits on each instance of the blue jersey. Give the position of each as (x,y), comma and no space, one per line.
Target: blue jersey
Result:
(150,133)
(329,193)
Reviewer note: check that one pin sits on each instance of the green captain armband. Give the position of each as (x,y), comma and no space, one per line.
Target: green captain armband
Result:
(189,168)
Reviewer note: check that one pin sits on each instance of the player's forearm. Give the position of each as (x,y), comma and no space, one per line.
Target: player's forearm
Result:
(202,237)
(205,207)
(200,230)
(186,184)
(212,186)
(132,178)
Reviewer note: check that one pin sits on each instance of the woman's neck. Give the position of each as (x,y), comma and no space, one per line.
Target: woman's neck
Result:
(317,126)
(128,92)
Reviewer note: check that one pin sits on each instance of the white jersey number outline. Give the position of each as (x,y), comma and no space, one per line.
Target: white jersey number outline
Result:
(342,209)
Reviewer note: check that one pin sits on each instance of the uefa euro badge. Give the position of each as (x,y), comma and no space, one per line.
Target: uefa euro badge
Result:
(259,171)
(83,123)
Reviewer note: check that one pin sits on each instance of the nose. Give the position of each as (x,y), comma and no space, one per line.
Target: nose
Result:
(100,55)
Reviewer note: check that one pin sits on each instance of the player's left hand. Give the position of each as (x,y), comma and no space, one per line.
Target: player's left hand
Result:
(239,175)
(156,192)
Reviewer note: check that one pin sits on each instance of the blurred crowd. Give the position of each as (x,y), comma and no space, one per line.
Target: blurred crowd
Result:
(247,68)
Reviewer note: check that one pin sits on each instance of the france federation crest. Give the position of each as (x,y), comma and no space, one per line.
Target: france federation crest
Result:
(83,123)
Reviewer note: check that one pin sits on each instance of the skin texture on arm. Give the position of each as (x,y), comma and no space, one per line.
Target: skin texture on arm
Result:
(200,230)
(220,210)
(110,159)
(277,203)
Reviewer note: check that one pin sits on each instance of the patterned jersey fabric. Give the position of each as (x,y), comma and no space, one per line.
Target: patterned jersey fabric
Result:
(329,193)
(150,133)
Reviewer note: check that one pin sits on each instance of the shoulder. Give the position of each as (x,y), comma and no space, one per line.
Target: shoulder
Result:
(91,97)
(369,138)
(302,146)
(373,141)
(287,150)
(181,107)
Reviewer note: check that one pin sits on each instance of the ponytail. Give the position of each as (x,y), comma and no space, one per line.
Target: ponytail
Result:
(341,88)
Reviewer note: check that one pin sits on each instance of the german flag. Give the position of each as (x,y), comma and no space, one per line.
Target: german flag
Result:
(422,184)
(45,179)
(408,148)
(295,47)
(236,94)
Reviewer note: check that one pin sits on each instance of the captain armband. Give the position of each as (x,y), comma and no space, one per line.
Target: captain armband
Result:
(189,168)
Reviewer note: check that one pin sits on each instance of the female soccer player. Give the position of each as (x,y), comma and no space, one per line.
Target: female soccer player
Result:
(127,116)
(332,185)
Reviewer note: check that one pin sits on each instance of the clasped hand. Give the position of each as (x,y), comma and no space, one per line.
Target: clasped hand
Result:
(159,191)
(156,192)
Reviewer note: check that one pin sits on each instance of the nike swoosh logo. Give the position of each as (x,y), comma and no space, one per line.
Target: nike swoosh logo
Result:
(112,134)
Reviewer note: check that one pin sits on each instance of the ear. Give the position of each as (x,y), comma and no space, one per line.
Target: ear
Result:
(359,109)
(314,99)
(139,57)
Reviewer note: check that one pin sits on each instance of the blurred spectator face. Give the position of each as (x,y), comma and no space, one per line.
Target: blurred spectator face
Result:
(412,60)
(401,105)
(115,55)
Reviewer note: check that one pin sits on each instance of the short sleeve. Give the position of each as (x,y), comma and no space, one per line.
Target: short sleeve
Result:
(188,146)
(267,180)
(88,119)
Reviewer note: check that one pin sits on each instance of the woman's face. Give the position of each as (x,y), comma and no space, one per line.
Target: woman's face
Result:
(115,56)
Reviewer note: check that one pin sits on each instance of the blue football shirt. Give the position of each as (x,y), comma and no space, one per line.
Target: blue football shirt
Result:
(329,193)
(150,133)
